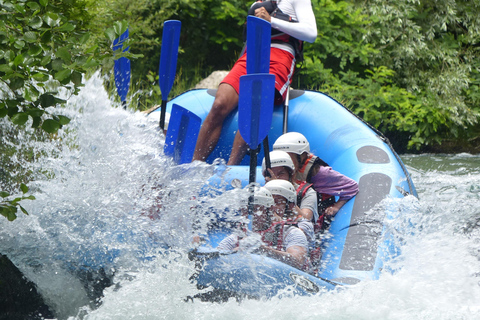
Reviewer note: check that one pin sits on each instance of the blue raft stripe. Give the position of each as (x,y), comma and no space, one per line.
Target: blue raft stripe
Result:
(360,249)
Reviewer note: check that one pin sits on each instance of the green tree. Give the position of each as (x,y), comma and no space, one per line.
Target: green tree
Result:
(433,48)
(410,68)
(211,39)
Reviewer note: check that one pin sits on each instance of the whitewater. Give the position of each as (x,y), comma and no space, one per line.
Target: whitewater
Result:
(108,200)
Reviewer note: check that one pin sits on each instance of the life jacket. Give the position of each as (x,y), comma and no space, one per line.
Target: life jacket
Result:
(305,172)
(273,237)
(278,36)
(323,202)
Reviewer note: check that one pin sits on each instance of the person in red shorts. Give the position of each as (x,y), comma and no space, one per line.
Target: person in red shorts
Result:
(292,23)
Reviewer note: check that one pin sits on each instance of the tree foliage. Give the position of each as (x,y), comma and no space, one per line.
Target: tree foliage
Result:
(45,53)
(433,47)
(9,208)
(419,58)
(211,31)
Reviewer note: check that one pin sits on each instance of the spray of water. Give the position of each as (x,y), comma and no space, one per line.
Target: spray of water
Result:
(108,234)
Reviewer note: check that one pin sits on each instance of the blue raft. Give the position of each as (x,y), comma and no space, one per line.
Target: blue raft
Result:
(358,243)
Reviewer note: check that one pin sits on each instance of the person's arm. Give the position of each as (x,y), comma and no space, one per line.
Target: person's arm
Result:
(306,27)
(294,255)
(329,181)
(308,205)
(332,211)
(305,212)
(230,243)
(296,246)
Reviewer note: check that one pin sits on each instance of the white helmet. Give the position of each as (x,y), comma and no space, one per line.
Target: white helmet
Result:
(278,158)
(282,187)
(292,142)
(261,196)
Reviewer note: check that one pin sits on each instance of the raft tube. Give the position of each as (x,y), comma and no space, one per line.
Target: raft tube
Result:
(357,245)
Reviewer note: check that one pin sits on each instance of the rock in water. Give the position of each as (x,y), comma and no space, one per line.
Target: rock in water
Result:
(19,298)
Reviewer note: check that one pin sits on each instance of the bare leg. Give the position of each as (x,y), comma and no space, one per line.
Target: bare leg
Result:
(239,150)
(225,101)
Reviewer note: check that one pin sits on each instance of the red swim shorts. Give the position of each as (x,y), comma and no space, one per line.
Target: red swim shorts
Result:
(282,65)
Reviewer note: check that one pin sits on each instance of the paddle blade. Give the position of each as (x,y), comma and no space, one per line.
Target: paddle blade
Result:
(168,56)
(255,107)
(182,134)
(258,45)
(121,68)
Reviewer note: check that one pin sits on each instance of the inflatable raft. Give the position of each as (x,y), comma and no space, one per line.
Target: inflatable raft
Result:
(357,243)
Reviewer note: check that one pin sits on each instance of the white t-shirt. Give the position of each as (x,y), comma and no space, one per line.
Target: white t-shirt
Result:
(229,243)
(307,227)
(292,236)
(309,201)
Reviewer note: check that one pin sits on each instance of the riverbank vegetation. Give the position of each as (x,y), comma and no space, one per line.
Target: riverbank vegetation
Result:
(409,68)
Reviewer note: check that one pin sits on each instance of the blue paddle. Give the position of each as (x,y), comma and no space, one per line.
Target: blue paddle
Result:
(255,110)
(121,69)
(168,62)
(258,45)
(182,134)
(258,57)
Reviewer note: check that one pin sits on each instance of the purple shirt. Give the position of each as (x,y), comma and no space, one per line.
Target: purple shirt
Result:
(334,183)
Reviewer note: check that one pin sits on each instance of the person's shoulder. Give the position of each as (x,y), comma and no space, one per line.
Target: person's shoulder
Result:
(228,243)
(295,236)
(311,192)
(304,221)
(295,231)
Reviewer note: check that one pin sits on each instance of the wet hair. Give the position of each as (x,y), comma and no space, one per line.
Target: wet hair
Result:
(299,160)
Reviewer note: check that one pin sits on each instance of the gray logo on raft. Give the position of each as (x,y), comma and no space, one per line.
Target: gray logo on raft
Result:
(304,283)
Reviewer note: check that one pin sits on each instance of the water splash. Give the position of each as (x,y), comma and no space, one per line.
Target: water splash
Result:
(108,201)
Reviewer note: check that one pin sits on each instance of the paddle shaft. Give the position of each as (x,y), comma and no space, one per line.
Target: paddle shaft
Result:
(266,150)
(252,177)
(162,114)
(285,111)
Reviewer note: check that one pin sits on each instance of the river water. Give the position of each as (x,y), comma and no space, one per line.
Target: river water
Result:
(109,201)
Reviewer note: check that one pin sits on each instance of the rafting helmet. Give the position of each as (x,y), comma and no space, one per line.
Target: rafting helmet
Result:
(282,187)
(279,158)
(292,142)
(261,196)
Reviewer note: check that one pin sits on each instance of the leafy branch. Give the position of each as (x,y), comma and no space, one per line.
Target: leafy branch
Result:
(9,208)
